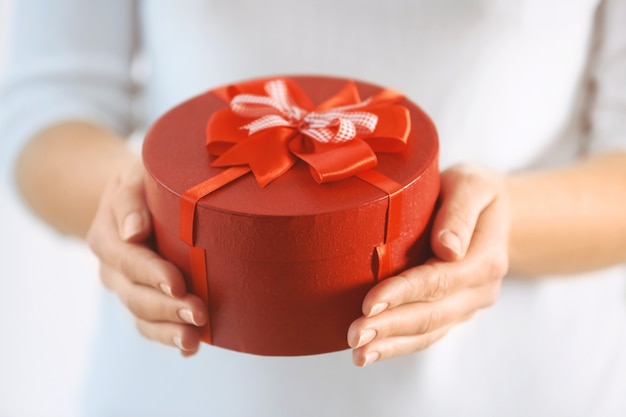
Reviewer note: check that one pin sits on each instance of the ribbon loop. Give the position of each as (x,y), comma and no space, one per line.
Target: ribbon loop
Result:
(249,105)
(335,125)
(340,120)
(266,122)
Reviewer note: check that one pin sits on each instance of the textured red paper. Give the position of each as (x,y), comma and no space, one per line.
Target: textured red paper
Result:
(287,265)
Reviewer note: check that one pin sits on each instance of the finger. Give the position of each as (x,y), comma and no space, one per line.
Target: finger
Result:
(151,305)
(434,281)
(418,318)
(491,235)
(130,212)
(430,282)
(138,263)
(390,347)
(110,278)
(184,337)
(465,193)
(144,267)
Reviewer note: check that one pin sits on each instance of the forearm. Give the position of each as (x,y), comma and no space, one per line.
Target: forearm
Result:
(566,220)
(62,171)
(569,220)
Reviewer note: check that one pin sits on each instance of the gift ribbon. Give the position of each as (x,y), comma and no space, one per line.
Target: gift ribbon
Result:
(335,125)
(337,139)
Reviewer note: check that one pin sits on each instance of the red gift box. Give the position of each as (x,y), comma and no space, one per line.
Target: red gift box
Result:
(283,201)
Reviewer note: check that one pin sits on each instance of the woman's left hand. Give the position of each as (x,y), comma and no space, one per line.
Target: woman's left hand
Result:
(411,311)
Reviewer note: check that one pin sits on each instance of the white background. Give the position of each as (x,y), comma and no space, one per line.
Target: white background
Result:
(48,288)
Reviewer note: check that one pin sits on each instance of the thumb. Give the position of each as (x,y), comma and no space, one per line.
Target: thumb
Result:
(129,206)
(465,193)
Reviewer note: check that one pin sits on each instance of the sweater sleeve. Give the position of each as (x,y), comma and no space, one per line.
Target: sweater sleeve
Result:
(607,115)
(67,60)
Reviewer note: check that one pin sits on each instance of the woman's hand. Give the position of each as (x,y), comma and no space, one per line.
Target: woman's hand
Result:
(152,288)
(414,309)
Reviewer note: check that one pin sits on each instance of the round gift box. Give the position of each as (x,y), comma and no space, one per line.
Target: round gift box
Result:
(286,266)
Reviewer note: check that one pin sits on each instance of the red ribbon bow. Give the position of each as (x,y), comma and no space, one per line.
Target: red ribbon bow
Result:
(337,139)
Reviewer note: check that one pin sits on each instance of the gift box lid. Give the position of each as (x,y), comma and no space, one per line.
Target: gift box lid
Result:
(175,158)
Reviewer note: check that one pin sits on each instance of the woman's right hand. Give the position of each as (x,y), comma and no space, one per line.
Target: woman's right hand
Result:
(152,288)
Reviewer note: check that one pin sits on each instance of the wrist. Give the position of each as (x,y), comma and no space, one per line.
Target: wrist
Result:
(62,171)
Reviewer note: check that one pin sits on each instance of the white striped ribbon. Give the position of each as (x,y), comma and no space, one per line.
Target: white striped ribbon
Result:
(336,125)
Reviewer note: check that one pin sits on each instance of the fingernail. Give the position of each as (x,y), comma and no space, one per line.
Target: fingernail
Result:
(451,241)
(365,337)
(187,316)
(132,225)
(371,357)
(378,308)
(166,289)
(178,341)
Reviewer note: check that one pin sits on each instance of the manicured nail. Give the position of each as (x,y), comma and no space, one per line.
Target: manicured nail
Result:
(365,337)
(178,341)
(451,241)
(377,309)
(187,316)
(132,225)
(371,357)
(166,289)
